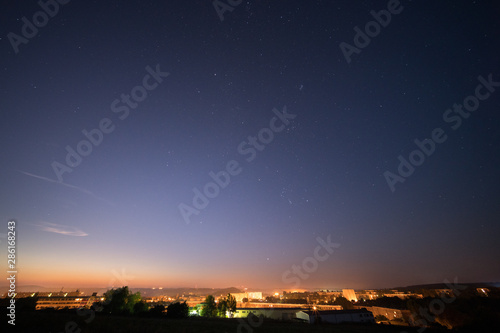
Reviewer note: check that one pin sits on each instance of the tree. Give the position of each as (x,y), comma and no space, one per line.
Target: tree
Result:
(140,307)
(226,305)
(231,304)
(178,310)
(269,299)
(120,301)
(157,310)
(344,302)
(222,307)
(209,308)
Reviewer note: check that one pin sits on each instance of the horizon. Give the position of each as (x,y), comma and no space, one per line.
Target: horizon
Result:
(73,288)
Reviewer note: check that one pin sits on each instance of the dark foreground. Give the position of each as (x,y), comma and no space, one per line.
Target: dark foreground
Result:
(56,322)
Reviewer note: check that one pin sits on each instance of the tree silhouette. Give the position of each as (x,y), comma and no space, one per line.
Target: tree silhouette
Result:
(222,307)
(157,310)
(344,302)
(231,304)
(140,307)
(178,310)
(209,308)
(226,305)
(120,301)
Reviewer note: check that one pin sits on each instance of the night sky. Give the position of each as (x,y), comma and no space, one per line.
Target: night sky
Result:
(303,125)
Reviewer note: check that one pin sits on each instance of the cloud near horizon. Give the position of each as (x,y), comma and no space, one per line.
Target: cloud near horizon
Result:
(61,229)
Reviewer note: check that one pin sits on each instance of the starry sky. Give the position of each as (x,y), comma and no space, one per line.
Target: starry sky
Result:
(302,115)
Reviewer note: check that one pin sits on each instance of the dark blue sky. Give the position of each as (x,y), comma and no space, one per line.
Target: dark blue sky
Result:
(321,174)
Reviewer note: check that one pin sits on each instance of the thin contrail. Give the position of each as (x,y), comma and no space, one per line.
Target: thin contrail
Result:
(67,185)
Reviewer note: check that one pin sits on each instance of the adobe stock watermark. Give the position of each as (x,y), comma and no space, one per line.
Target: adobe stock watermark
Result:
(295,275)
(122,106)
(427,147)
(228,6)
(372,29)
(40,19)
(436,307)
(221,179)
(309,265)
(122,278)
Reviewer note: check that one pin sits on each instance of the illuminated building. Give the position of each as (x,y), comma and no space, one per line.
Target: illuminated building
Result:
(248,295)
(337,316)
(349,294)
(64,302)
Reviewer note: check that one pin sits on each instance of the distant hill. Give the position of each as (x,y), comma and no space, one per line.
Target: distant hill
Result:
(26,288)
(444,286)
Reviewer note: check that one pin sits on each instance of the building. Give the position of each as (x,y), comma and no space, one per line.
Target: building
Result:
(21,295)
(374,294)
(281,313)
(195,309)
(391,314)
(327,296)
(296,296)
(401,294)
(367,294)
(248,295)
(350,295)
(337,316)
(441,293)
(65,302)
